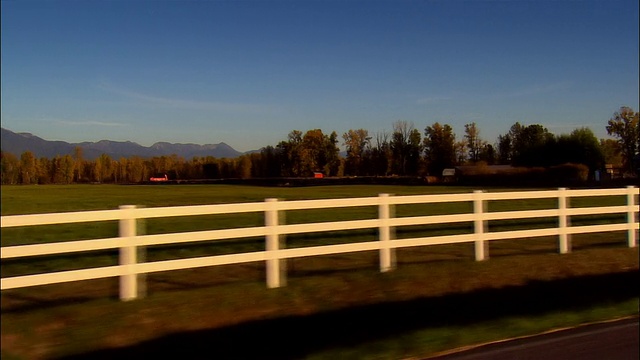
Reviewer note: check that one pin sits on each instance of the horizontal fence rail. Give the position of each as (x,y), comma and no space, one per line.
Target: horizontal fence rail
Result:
(129,242)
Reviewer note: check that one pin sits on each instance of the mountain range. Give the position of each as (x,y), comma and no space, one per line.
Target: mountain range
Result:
(17,143)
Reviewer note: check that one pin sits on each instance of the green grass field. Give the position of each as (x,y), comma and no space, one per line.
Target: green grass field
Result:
(216,303)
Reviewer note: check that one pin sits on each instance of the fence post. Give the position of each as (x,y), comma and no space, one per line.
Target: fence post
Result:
(631,216)
(276,268)
(480,225)
(127,231)
(387,254)
(563,221)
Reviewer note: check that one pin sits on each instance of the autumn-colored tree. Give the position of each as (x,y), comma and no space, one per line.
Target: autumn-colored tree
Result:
(313,148)
(103,168)
(316,152)
(257,165)
(120,172)
(611,151)
(161,165)
(356,143)
(244,166)
(179,168)
(45,170)
(625,126)
(62,169)
(135,170)
(28,168)
(78,158)
(473,142)
(55,170)
(195,170)
(9,168)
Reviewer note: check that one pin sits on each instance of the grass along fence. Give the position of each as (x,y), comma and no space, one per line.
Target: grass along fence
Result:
(131,245)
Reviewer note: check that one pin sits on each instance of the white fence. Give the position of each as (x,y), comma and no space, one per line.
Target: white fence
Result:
(129,241)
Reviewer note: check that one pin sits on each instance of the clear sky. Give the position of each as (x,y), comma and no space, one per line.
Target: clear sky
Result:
(248,72)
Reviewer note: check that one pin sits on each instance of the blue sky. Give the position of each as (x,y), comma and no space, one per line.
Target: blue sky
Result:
(248,72)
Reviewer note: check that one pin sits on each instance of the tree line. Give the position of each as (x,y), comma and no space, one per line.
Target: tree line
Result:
(403,151)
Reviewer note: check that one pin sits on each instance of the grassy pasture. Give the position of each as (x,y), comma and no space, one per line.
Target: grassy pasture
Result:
(39,199)
(68,318)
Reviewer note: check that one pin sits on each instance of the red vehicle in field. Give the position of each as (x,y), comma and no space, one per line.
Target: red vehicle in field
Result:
(159,178)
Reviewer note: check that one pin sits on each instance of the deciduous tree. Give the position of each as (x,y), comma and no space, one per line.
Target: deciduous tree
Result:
(78,159)
(460,150)
(405,143)
(439,147)
(379,156)
(63,169)
(290,154)
(244,166)
(313,152)
(625,126)
(580,147)
(331,154)
(414,152)
(9,168)
(529,145)
(270,164)
(103,168)
(45,171)
(28,168)
(488,154)
(356,143)
(611,151)
(504,149)
(473,142)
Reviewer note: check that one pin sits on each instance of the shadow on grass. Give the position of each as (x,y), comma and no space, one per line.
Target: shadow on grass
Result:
(27,303)
(296,336)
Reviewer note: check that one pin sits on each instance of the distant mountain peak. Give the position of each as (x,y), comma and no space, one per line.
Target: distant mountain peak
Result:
(17,143)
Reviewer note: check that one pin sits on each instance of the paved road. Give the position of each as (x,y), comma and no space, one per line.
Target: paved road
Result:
(612,341)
